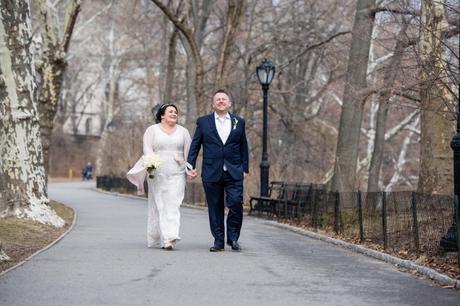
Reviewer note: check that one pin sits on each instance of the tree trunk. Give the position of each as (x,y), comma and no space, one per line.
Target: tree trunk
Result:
(383,103)
(170,68)
(436,129)
(191,38)
(3,256)
(163,59)
(192,46)
(190,81)
(111,106)
(103,152)
(350,120)
(234,13)
(22,174)
(53,68)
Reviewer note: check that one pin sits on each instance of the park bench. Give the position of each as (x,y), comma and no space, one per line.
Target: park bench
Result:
(267,204)
(297,200)
(285,200)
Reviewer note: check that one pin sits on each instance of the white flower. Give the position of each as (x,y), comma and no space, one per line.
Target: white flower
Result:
(151,162)
(235,122)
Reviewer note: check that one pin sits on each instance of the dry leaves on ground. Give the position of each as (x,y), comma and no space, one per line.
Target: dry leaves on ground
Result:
(21,238)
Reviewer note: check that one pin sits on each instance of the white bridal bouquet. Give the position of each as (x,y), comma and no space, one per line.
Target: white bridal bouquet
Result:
(151,162)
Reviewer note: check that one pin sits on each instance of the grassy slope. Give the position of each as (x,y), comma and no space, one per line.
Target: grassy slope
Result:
(21,238)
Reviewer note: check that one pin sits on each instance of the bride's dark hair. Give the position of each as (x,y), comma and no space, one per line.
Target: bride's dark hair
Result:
(161,111)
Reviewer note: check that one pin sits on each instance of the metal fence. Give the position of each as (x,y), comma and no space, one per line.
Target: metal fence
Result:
(408,221)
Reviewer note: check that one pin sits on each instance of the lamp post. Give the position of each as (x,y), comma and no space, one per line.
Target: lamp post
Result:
(451,241)
(455,145)
(265,73)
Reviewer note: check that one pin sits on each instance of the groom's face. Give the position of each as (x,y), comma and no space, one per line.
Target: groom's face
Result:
(221,102)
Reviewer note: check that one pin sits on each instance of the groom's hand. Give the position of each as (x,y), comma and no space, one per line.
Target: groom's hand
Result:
(244,175)
(193,173)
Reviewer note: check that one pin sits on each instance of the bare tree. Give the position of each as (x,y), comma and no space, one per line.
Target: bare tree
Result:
(22,174)
(353,101)
(192,33)
(436,124)
(53,64)
(192,38)
(235,11)
(170,67)
(195,43)
(384,96)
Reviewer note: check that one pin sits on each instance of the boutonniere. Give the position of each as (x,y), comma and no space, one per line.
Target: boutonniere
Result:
(234,122)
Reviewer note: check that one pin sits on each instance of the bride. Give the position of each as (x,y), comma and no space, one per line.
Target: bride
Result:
(171,143)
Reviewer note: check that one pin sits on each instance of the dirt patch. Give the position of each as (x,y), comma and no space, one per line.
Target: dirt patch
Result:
(21,238)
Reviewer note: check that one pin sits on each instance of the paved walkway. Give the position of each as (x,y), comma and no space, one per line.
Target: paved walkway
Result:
(104,261)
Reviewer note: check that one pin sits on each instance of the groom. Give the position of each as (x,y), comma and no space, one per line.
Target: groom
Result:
(225,165)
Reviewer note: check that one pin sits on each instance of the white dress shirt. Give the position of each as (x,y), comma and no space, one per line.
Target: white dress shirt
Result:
(224,127)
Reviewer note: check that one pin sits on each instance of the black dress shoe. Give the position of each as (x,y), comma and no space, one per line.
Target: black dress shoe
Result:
(215,248)
(235,245)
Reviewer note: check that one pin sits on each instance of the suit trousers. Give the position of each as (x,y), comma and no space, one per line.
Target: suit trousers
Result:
(232,191)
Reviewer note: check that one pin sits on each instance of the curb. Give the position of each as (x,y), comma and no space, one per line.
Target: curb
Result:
(46,247)
(404,263)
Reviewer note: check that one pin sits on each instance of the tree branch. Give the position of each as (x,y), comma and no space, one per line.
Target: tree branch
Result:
(179,24)
(94,17)
(72,13)
(48,27)
(393,131)
(395,11)
(311,47)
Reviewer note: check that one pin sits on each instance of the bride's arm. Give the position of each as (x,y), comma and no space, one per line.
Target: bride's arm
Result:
(137,174)
(187,142)
(148,141)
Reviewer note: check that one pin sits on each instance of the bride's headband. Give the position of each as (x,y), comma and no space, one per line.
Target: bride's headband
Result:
(164,105)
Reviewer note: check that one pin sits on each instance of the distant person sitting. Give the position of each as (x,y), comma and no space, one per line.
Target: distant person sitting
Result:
(87,172)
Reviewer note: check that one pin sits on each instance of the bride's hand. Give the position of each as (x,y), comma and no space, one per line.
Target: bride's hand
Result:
(191,174)
(179,159)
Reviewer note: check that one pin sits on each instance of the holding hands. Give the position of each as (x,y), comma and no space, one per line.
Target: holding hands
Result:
(191,173)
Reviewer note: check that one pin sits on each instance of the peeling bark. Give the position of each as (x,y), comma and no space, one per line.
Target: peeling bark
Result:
(22,174)
(53,68)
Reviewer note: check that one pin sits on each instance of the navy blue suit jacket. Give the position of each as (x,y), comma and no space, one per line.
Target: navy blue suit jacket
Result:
(234,153)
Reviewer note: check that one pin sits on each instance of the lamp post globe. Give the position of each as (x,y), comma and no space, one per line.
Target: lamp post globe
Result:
(265,73)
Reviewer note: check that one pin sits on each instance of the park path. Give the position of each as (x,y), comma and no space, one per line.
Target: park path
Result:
(104,261)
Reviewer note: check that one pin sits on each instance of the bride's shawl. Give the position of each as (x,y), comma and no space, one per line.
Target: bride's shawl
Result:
(137,174)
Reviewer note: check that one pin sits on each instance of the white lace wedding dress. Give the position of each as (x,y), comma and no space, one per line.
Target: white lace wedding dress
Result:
(166,189)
